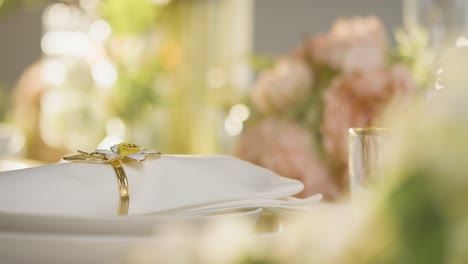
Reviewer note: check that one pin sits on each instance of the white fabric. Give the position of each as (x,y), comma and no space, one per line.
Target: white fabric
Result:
(180,184)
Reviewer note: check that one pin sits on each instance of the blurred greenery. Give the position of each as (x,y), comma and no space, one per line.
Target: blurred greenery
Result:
(422,207)
(251,259)
(130,17)
(420,226)
(7,6)
(135,91)
(310,112)
(261,62)
(413,50)
(140,67)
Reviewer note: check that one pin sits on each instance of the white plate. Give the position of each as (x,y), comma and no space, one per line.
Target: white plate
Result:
(111,226)
(45,248)
(56,248)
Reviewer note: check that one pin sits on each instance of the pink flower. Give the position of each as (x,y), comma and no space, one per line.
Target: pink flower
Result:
(358,100)
(287,149)
(283,86)
(354,44)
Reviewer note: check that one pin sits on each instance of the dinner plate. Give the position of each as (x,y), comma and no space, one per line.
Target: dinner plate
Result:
(67,248)
(71,248)
(144,225)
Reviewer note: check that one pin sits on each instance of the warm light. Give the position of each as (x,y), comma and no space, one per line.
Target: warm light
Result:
(161,2)
(72,43)
(53,102)
(108,142)
(53,72)
(216,78)
(233,127)
(89,4)
(104,74)
(99,30)
(280,228)
(241,75)
(1,3)
(50,136)
(239,112)
(115,127)
(11,140)
(115,130)
(6,165)
(462,42)
(56,14)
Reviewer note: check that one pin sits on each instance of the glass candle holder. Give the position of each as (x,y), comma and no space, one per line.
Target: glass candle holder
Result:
(366,148)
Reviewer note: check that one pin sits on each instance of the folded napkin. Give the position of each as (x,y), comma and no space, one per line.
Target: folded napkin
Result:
(171,184)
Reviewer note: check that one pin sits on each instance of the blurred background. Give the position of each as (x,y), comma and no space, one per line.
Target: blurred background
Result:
(273,82)
(301,87)
(80,34)
(276,27)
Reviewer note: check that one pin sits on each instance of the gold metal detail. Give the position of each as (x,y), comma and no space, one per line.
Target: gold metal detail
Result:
(116,156)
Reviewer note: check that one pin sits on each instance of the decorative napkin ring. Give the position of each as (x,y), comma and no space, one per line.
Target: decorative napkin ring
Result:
(117,154)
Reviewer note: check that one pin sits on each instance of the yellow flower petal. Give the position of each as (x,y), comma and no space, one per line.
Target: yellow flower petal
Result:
(126,149)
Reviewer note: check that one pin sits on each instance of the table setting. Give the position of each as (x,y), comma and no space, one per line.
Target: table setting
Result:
(128,194)
(171,131)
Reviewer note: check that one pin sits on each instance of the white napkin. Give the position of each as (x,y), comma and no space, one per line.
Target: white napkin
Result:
(177,184)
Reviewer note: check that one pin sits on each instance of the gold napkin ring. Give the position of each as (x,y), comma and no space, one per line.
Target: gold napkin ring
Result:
(115,156)
(123,187)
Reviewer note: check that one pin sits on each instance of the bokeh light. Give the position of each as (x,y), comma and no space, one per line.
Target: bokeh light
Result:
(104,74)
(100,30)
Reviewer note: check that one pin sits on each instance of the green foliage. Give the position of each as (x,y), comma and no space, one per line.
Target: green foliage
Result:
(253,259)
(413,51)
(309,113)
(261,62)
(130,17)
(135,92)
(420,225)
(7,6)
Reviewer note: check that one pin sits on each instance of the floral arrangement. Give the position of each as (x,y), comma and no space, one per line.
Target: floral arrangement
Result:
(304,104)
(419,216)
